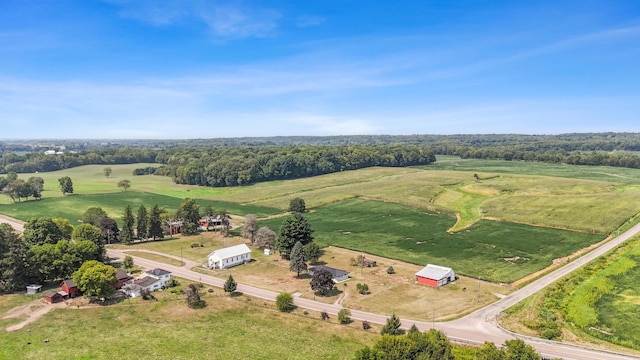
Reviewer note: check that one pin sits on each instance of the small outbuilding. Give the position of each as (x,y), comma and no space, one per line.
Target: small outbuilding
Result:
(70,288)
(122,278)
(52,297)
(436,276)
(229,256)
(33,288)
(337,275)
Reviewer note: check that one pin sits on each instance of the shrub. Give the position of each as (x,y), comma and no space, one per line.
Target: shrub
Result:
(324,316)
(363,288)
(391,270)
(344,316)
(284,302)
(366,325)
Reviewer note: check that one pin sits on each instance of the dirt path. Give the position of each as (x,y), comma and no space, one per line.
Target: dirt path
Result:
(33,311)
(15,223)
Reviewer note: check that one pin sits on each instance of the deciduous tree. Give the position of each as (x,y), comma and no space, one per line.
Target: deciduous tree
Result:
(322,282)
(225,221)
(250,227)
(94,216)
(36,184)
(297,205)
(96,279)
(66,185)
(43,230)
(265,238)
(344,316)
(110,230)
(124,184)
(107,171)
(284,302)
(127,262)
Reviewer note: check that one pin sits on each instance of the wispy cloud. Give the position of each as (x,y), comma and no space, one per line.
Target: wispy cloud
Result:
(225,19)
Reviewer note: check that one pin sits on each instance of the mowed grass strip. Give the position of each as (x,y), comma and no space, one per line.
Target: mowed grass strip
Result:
(225,329)
(490,250)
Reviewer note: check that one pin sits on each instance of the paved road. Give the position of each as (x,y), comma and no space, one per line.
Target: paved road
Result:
(475,328)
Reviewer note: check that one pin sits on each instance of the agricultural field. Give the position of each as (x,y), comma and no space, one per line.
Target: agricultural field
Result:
(597,305)
(490,250)
(476,221)
(229,328)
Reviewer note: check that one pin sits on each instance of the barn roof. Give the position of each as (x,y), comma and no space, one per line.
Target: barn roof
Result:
(434,272)
(231,251)
(121,274)
(70,284)
(49,293)
(146,281)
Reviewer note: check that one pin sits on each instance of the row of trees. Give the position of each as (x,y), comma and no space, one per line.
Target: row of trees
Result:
(17,189)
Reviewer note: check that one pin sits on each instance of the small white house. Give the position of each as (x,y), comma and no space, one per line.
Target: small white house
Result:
(155,279)
(229,256)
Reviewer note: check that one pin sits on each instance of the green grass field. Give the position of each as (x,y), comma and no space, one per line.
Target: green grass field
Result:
(225,329)
(491,250)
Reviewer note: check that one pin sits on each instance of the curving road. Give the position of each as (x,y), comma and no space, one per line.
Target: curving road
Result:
(475,328)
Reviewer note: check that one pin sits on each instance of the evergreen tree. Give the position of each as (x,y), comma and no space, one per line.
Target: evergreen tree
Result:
(298,257)
(189,212)
(313,252)
(230,285)
(392,327)
(155,223)
(142,227)
(128,221)
(295,228)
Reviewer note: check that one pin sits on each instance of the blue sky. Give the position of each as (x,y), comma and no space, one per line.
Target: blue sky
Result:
(200,69)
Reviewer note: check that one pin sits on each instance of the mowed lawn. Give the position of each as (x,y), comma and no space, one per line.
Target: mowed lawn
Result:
(496,251)
(225,329)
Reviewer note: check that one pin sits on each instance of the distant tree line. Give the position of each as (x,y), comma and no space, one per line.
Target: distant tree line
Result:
(245,165)
(239,161)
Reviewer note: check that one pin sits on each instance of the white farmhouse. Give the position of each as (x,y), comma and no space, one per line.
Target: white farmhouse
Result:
(229,256)
(155,279)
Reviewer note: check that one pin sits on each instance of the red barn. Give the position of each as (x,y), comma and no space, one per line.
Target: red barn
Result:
(434,275)
(122,277)
(52,297)
(70,288)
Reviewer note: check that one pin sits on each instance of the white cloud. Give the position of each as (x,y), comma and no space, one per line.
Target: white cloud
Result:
(228,19)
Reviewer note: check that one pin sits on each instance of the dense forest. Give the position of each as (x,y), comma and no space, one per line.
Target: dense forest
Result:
(239,161)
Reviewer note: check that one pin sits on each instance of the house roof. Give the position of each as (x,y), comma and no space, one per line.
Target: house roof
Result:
(34,286)
(434,272)
(69,283)
(231,251)
(121,274)
(146,281)
(335,273)
(158,272)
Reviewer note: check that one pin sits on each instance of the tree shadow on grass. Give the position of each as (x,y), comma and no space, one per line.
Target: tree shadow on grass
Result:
(235,294)
(335,291)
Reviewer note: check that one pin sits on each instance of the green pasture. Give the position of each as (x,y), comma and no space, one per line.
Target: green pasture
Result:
(607,305)
(73,206)
(491,250)
(225,329)
(598,173)
(584,202)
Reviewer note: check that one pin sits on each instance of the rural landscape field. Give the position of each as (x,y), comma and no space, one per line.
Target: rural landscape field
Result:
(466,214)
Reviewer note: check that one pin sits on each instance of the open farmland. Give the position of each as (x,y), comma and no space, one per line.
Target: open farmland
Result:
(423,230)
(492,250)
